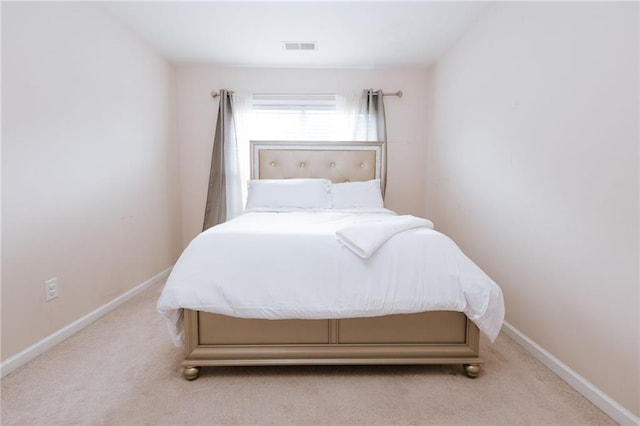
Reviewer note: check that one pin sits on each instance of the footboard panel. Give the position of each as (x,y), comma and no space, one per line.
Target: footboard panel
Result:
(424,338)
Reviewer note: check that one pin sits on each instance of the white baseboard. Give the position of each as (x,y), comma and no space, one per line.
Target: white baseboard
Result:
(601,400)
(50,341)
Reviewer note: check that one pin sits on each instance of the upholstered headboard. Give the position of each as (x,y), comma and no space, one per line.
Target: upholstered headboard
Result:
(336,161)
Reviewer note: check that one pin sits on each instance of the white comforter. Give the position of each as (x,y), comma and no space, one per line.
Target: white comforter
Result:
(292,265)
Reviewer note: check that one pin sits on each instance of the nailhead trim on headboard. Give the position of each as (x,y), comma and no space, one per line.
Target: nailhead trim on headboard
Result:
(337,161)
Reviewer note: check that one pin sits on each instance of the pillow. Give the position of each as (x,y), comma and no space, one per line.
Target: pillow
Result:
(289,193)
(356,195)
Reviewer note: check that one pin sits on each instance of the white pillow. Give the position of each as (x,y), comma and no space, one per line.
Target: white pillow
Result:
(289,193)
(357,195)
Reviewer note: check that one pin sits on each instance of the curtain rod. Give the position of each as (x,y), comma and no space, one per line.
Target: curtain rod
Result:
(215,94)
(398,94)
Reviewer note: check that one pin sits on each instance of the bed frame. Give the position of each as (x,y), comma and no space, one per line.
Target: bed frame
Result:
(442,337)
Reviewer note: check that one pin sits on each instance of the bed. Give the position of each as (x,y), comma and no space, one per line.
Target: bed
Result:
(375,330)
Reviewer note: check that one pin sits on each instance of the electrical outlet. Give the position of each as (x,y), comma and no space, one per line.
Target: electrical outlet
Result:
(50,289)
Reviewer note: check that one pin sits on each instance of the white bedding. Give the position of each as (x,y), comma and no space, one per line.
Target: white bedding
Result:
(292,265)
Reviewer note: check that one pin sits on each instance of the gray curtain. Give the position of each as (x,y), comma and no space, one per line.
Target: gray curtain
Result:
(224,184)
(372,111)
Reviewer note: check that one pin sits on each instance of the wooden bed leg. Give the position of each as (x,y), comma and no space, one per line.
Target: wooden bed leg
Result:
(191,373)
(472,370)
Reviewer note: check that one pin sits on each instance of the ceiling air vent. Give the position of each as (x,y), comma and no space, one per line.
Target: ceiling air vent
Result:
(299,45)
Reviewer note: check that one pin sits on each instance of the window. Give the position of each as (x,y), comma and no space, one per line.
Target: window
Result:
(296,117)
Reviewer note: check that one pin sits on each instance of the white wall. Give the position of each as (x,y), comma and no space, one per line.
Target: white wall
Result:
(405,124)
(533,170)
(89,165)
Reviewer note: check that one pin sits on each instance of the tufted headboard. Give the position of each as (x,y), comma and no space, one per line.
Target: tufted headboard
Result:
(336,161)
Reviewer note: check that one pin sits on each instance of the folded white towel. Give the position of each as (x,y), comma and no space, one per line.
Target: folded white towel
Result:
(364,238)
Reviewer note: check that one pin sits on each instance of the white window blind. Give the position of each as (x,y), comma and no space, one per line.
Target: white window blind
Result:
(295,117)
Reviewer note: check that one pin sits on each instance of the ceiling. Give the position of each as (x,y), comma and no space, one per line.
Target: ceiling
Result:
(353,34)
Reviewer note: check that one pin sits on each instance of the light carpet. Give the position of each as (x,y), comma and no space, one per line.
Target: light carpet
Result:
(123,370)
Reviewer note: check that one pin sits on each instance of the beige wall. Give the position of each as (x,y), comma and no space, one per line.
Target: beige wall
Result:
(405,117)
(89,166)
(533,170)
